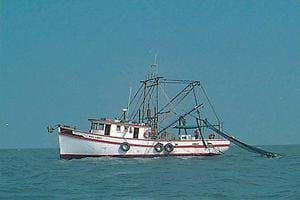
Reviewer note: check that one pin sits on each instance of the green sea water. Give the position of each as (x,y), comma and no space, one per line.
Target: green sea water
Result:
(41,174)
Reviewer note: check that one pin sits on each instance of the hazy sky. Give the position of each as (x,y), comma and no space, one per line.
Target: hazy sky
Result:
(66,61)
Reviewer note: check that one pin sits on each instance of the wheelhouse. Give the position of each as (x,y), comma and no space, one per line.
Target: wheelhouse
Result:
(118,128)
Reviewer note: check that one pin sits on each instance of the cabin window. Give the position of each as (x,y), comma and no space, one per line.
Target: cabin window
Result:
(126,128)
(130,129)
(97,126)
(101,127)
(118,128)
(136,133)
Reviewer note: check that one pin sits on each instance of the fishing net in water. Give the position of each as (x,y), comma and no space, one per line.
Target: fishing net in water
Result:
(241,144)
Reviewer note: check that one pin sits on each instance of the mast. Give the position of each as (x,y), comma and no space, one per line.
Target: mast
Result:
(153,86)
(144,98)
(155,66)
(157,104)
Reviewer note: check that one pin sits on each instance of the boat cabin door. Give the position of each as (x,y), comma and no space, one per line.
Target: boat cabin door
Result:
(135,132)
(107,129)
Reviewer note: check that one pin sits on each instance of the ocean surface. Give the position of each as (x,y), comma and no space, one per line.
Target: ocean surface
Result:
(40,174)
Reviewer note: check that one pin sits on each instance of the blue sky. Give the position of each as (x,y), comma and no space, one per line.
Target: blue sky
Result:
(66,61)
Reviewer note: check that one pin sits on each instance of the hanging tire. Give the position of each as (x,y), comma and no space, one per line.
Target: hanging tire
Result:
(125,146)
(159,147)
(169,147)
(147,134)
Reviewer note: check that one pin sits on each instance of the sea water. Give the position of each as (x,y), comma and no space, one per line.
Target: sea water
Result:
(41,174)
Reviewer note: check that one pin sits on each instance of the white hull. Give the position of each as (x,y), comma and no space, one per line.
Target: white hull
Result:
(80,144)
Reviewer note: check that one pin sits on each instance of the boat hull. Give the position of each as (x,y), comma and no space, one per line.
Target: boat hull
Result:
(83,144)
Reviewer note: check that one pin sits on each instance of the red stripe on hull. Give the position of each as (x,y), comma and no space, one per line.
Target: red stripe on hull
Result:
(138,145)
(78,156)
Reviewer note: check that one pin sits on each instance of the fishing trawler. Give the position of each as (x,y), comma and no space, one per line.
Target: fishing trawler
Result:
(149,126)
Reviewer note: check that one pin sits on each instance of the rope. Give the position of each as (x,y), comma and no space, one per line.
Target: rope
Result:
(210,104)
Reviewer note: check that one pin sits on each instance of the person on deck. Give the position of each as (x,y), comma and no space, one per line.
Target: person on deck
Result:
(197,133)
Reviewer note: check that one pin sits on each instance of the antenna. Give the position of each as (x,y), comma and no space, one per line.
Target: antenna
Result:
(154,67)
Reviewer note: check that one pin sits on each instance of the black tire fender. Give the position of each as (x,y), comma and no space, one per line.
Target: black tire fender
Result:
(159,147)
(125,146)
(169,147)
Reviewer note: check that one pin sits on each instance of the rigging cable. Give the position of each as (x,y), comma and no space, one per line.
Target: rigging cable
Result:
(210,104)
(137,103)
(175,121)
(133,98)
(184,92)
(143,102)
(174,98)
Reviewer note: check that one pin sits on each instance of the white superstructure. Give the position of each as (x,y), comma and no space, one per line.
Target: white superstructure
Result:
(124,139)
